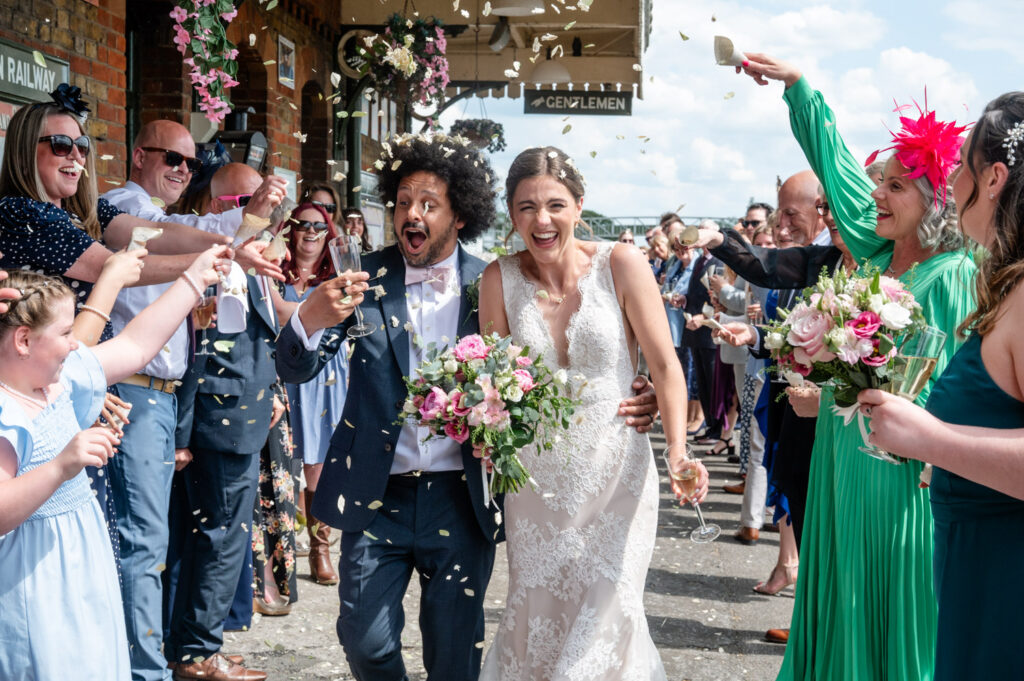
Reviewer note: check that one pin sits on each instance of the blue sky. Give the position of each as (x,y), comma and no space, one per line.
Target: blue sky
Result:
(714,153)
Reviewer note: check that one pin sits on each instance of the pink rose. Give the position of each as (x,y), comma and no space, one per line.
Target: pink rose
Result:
(524,379)
(434,404)
(791,361)
(807,330)
(457,430)
(456,401)
(470,347)
(524,361)
(865,325)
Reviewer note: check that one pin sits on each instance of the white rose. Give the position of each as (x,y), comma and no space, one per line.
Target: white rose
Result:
(409,407)
(774,341)
(513,393)
(451,366)
(475,364)
(836,336)
(793,378)
(561,377)
(895,316)
(875,303)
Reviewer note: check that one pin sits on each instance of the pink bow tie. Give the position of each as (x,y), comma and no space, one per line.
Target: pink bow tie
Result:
(438,277)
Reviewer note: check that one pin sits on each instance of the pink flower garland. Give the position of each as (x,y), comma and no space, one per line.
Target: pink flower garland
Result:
(198,28)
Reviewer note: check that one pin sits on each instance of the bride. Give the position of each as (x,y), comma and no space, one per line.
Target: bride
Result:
(579,542)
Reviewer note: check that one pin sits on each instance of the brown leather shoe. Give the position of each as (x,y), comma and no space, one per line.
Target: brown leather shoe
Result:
(217,668)
(320,568)
(738,488)
(747,535)
(237,659)
(770,527)
(777,636)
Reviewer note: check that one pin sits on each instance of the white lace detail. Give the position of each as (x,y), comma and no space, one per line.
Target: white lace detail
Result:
(580,541)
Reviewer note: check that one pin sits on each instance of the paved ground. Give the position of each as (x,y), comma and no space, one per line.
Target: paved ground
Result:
(704,617)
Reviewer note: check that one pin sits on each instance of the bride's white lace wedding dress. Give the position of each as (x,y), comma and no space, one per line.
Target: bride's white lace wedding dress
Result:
(579,544)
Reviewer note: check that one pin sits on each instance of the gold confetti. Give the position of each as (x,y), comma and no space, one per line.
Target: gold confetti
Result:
(270,62)
(444,533)
(566,129)
(683,36)
(348,424)
(374,505)
(367,533)
(259,395)
(40,59)
(161,567)
(593,154)
(157,201)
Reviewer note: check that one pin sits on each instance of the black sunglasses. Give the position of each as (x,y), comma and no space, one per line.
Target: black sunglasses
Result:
(305,225)
(174,159)
(752,223)
(329,208)
(61,145)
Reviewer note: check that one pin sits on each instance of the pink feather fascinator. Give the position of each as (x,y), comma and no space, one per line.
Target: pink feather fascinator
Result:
(927,147)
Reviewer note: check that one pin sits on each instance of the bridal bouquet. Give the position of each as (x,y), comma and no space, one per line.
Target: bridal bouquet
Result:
(846,330)
(493,393)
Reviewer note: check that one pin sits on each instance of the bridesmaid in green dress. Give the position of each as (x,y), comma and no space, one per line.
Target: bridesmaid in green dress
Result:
(865,605)
(975,434)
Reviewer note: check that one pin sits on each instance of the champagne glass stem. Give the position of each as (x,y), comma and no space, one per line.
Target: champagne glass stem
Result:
(700,517)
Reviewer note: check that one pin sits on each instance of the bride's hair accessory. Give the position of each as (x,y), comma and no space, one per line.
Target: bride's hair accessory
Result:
(69,98)
(928,147)
(1013,137)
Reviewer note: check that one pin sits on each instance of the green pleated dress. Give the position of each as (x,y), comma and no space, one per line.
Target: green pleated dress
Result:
(865,606)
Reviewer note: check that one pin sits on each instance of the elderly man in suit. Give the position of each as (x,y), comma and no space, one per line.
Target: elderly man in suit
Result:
(403,503)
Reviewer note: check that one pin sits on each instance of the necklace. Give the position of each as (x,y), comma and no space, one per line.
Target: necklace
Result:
(42,404)
(557,300)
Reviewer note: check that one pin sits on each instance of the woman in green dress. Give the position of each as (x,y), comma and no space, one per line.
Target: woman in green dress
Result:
(975,434)
(865,605)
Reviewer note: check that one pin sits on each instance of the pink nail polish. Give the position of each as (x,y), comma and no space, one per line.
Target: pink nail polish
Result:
(746,63)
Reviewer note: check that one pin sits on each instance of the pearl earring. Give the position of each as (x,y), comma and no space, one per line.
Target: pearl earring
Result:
(991,196)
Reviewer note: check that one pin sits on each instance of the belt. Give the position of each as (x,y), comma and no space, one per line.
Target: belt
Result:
(164,385)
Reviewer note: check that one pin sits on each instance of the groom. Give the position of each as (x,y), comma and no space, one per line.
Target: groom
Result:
(404,504)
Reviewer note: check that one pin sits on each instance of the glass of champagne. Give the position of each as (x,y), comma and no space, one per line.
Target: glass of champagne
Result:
(920,352)
(344,252)
(687,476)
(202,317)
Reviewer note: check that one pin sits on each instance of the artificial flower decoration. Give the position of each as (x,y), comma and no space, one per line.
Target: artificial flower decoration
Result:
(70,98)
(927,147)
(408,60)
(200,27)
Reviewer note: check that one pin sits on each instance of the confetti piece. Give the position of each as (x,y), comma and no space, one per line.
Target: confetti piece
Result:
(729,95)
(348,424)
(374,505)
(713,18)
(394,166)
(470,593)
(157,201)
(40,59)
(348,462)
(569,25)
(271,5)
(367,533)
(637,67)
(566,129)
(487,9)
(161,567)
(593,154)
(107,157)
(683,36)
(444,533)
(252,40)
(335,79)
(270,62)
(223,345)
(260,394)
(225,422)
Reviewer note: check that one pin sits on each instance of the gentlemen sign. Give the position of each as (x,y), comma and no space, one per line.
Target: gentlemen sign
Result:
(578,103)
(23,78)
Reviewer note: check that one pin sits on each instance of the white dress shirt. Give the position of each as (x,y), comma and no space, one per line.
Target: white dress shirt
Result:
(434,317)
(172,361)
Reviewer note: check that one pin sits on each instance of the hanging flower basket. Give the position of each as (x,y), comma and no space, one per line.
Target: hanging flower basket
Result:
(408,59)
(483,133)
(200,28)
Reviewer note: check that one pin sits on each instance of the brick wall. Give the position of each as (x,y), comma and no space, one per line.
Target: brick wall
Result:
(92,39)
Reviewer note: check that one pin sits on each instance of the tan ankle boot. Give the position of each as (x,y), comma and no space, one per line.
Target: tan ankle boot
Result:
(320,568)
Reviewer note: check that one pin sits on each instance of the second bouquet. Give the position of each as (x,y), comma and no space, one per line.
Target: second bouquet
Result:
(495,394)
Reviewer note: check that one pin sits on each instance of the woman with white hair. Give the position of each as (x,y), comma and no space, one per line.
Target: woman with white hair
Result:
(865,606)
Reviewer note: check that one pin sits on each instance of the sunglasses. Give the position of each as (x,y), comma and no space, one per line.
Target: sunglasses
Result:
(174,159)
(61,145)
(240,200)
(823,209)
(306,225)
(751,223)
(329,208)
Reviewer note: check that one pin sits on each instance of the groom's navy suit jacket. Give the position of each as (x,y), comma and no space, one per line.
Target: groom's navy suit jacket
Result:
(362,448)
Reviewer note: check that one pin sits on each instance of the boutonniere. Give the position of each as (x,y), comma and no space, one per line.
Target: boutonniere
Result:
(473,295)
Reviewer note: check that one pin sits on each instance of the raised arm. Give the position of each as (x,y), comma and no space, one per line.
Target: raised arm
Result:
(146,334)
(177,237)
(120,270)
(795,267)
(813,123)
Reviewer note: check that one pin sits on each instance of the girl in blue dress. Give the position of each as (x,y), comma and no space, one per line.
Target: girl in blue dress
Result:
(973,429)
(59,595)
(315,406)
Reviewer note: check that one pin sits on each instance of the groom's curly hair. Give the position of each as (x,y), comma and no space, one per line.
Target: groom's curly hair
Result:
(467,172)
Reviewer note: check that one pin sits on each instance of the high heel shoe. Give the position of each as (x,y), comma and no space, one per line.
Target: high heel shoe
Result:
(729,448)
(762,587)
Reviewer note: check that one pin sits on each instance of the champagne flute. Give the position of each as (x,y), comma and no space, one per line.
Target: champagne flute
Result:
(688,476)
(344,252)
(920,353)
(202,317)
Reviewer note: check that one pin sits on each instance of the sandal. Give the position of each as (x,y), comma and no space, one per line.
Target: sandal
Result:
(729,448)
(762,587)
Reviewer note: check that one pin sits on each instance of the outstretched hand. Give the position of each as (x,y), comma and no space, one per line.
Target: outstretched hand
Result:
(763,68)
(641,410)
(333,301)
(737,334)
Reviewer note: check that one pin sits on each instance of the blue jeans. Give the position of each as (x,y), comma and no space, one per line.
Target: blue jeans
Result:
(140,478)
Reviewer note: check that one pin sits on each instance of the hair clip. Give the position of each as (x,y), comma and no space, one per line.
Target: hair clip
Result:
(69,98)
(1015,135)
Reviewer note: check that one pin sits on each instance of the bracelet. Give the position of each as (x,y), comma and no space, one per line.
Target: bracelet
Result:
(90,308)
(192,284)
